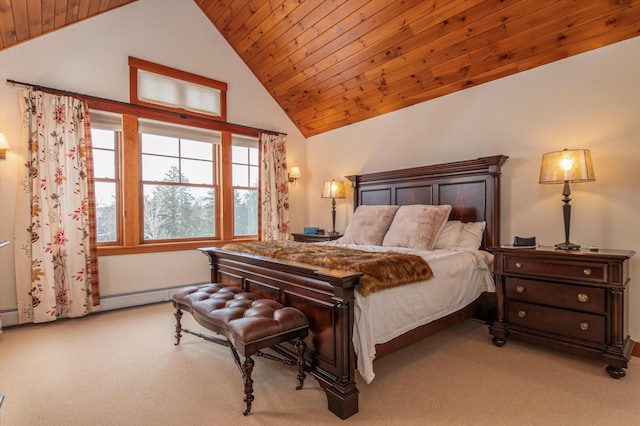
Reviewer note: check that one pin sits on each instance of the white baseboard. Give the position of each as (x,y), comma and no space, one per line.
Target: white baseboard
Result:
(128,300)
(108,303)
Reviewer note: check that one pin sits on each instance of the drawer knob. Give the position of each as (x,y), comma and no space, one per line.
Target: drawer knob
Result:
(583,297)
(587,271)
(518,265)
(520,289)
(522,314)
(584,326)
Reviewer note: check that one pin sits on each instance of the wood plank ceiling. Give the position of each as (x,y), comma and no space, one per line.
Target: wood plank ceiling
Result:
(332,63)
(336,62)
(22,20)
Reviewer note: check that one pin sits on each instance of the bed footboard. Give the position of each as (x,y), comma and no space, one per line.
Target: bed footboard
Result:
(326,296)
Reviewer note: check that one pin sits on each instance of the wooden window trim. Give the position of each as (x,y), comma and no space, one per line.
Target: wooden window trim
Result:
(131,181)
(227,190)
(132,186)
(135,64)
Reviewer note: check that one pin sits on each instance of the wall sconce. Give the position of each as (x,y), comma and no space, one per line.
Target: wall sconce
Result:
(294,175)
(4,146)
(563,167)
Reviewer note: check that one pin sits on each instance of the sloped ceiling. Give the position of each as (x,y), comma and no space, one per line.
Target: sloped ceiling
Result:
(336,62)
(22,20)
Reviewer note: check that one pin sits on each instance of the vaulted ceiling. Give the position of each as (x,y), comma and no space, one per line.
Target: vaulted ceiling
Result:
(336,62)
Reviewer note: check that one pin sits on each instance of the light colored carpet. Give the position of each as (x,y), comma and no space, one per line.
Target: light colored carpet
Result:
(121,368)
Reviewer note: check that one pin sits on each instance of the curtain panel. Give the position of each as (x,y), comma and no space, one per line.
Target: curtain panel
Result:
(274,188)
(55,234)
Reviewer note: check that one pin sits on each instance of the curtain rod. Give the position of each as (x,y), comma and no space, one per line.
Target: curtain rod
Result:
(182,115)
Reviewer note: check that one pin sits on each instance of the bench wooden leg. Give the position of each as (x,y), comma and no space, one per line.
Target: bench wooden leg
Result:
(247,368)
(301,348)
(178,315)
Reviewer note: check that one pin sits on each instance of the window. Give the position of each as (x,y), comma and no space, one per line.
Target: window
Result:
(179,186)
(244,159)
(167,181)
(105,136)
(174,93)
(174,90)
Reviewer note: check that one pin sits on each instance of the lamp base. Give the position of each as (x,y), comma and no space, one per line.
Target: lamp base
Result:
(567,246)
(333,233)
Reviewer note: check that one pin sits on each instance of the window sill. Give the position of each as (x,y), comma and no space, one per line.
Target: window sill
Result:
(164,247)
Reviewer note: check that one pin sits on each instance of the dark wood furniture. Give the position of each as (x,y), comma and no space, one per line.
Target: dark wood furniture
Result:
(326,296)
(247,322)
(314,238)
(572,299)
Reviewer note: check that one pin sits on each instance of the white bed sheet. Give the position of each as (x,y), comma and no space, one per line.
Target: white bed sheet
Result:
(459,277)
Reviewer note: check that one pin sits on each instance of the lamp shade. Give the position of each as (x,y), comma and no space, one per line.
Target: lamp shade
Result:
(333,189)
(569,165)
(295,173)
(4,144)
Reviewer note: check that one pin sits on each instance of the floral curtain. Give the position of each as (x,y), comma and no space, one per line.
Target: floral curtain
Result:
(274,189)
(55,235)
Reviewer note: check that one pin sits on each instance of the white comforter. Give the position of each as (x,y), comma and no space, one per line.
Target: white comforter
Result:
(459,277)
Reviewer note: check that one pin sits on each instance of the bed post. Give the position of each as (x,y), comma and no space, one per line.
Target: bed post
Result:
(354,184)
(342,395)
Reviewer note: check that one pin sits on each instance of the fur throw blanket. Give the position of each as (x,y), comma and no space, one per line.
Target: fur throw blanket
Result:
(380,270)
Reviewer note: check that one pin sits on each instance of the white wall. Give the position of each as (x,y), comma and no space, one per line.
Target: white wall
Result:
(587,101)
(91,57)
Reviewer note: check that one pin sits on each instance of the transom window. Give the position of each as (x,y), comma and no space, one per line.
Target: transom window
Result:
(174,93)
(175,90)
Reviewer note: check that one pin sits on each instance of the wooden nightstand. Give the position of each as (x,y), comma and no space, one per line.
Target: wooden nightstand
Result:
(314,238)
(571,299)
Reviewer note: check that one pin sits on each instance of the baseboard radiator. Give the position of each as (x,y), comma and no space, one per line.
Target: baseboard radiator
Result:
(109,303)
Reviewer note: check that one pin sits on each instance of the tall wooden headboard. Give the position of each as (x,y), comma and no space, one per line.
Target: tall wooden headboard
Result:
(471,187)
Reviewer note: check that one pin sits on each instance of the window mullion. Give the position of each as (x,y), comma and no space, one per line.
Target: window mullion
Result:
(226,204)
(131,180)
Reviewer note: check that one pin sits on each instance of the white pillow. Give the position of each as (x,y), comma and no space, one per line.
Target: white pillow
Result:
(471,235)
(448,238)
(417,226)
(368,225)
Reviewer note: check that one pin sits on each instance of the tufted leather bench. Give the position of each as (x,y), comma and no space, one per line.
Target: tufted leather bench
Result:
(248,323)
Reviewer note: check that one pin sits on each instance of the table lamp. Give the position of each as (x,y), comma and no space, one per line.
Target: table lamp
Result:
(333,189)
(569,165)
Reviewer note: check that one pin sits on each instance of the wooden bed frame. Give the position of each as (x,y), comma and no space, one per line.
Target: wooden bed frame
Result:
(326,296)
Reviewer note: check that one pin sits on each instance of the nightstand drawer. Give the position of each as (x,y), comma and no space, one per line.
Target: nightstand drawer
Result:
(589,299)
(578,325)
(583,271)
